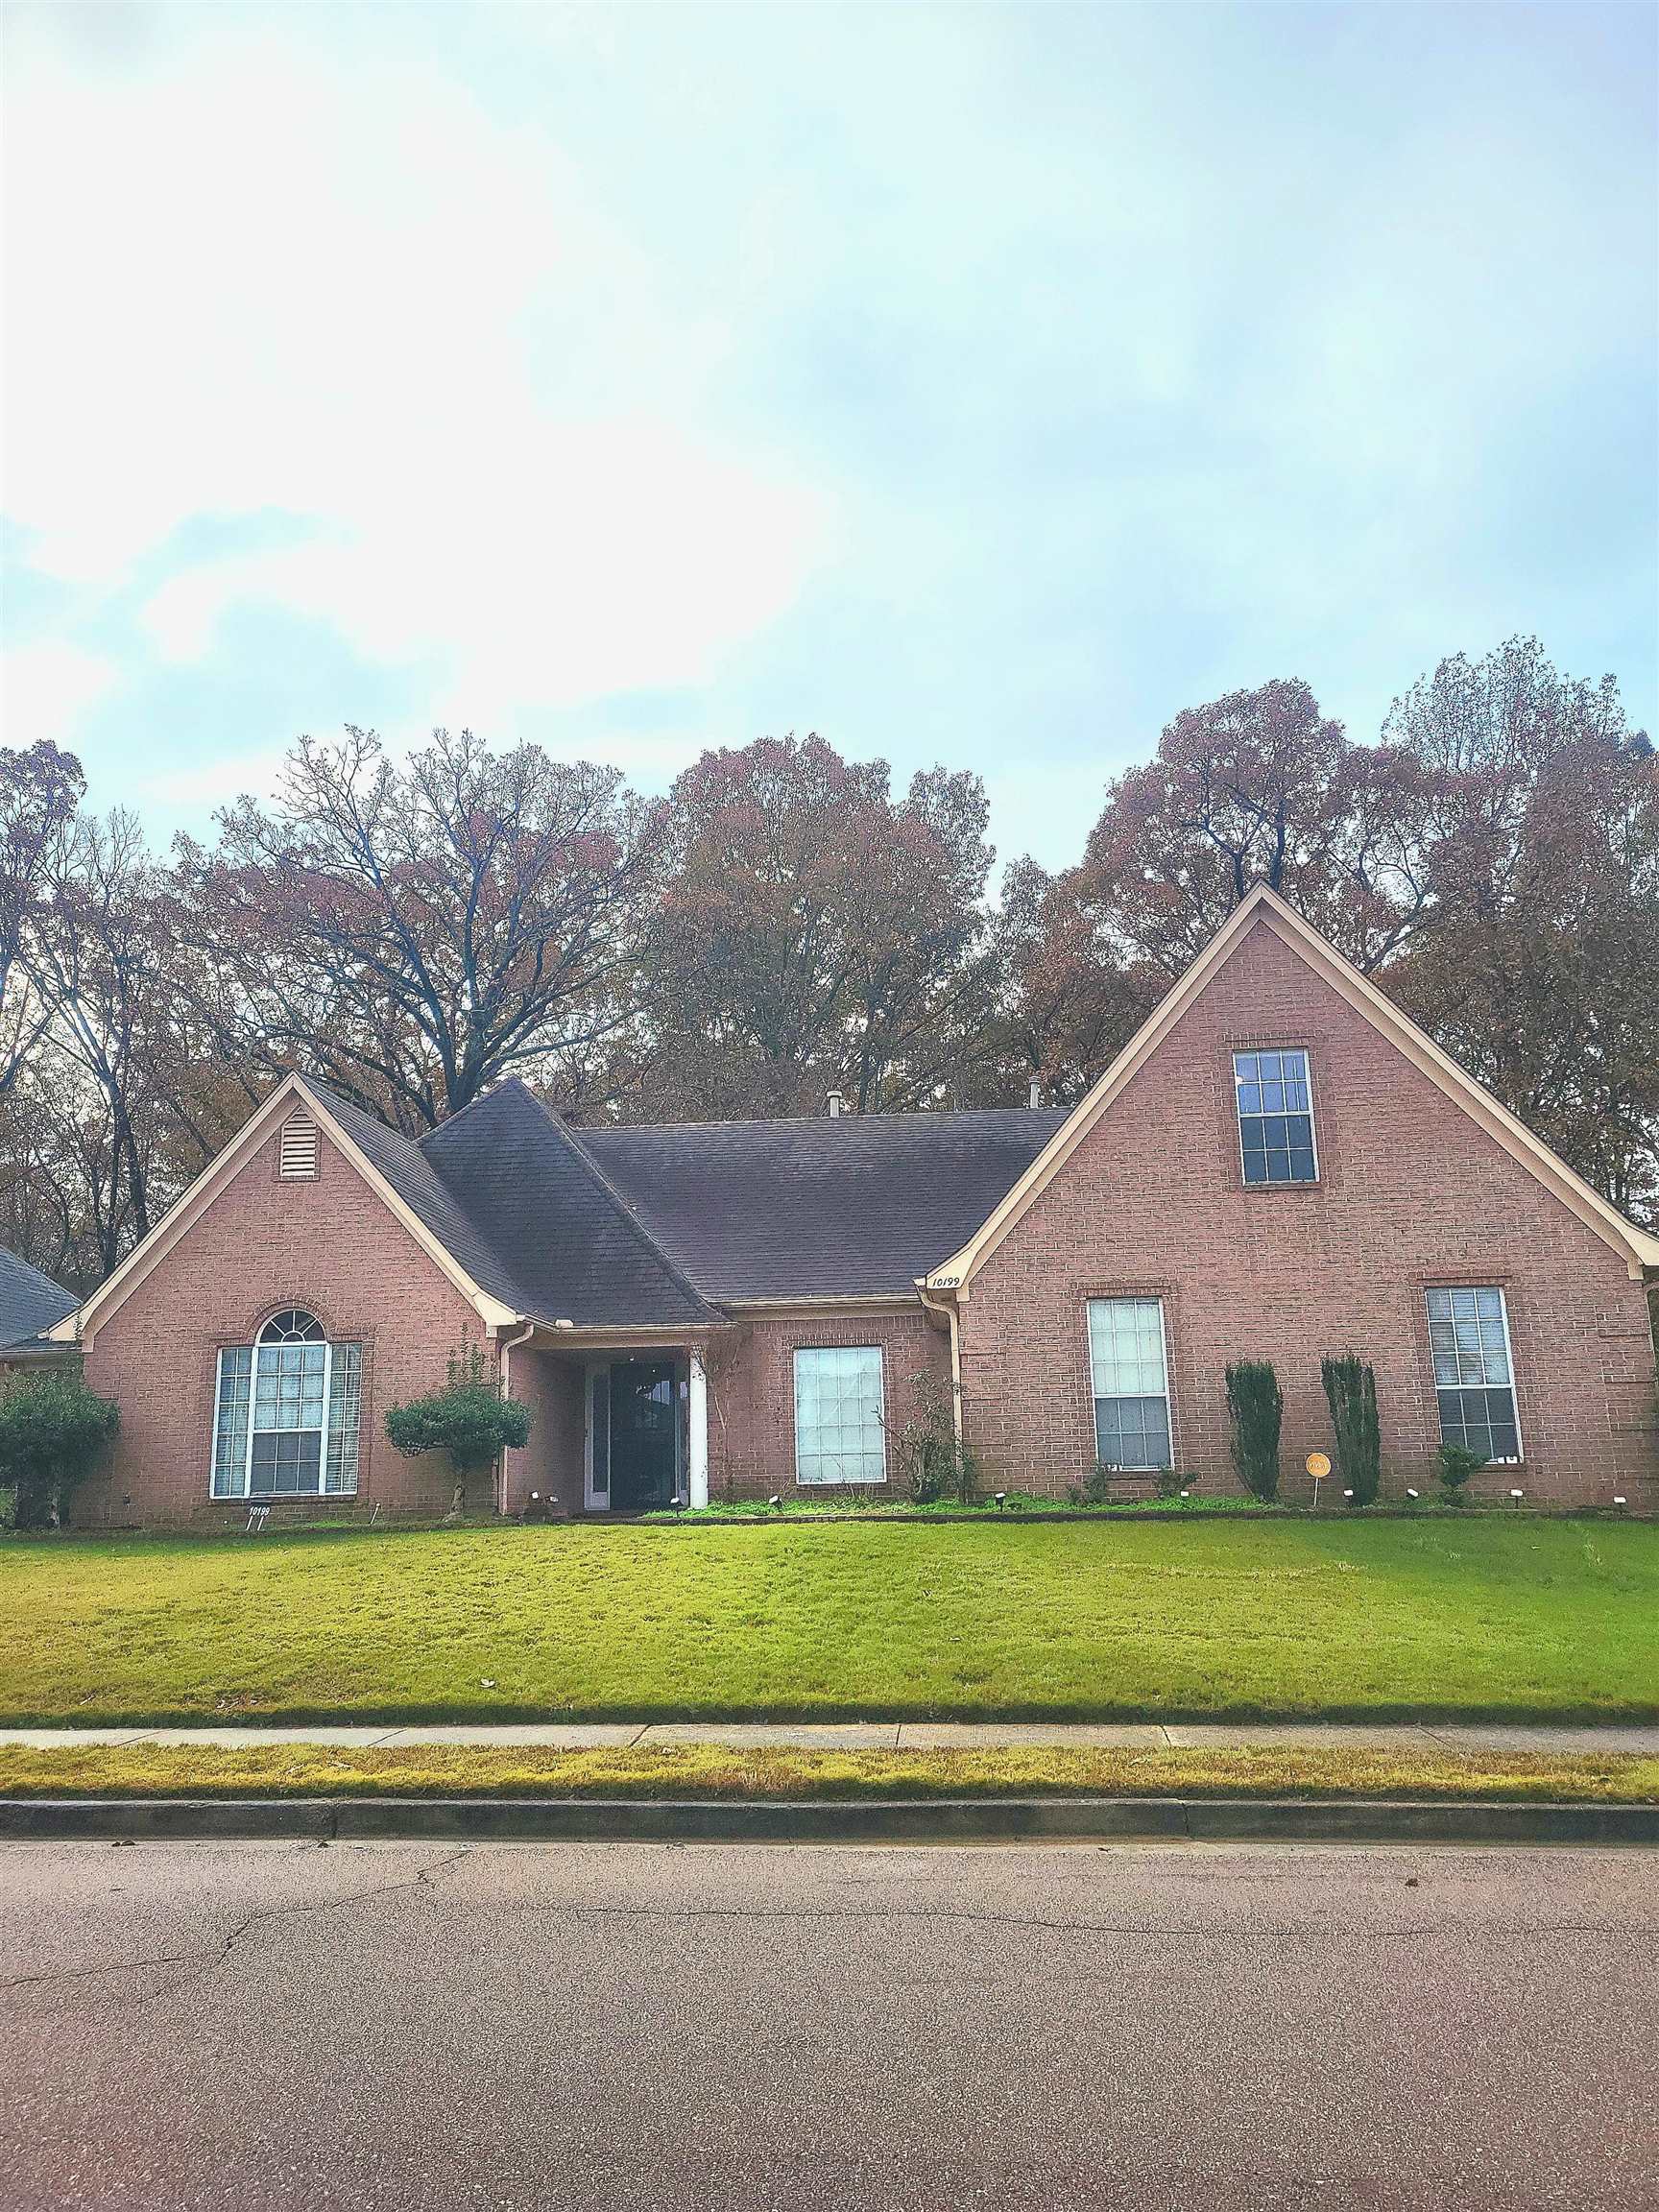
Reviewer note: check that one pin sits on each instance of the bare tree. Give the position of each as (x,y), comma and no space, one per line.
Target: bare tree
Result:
(412,933)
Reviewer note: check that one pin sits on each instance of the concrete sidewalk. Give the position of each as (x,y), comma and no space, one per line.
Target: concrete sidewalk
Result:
(885,1735)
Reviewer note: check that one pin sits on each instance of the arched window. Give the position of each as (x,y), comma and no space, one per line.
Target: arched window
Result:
(287,1414)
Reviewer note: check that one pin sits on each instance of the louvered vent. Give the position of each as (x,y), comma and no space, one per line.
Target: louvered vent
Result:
(297,1161)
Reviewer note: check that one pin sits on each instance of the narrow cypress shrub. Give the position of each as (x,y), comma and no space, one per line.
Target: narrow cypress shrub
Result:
(1351,1393)
(1257,1410)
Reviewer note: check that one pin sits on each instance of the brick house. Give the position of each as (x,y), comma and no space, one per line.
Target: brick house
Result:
(1277,1166)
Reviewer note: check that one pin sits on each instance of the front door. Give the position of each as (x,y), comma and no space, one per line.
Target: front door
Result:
(644,1434)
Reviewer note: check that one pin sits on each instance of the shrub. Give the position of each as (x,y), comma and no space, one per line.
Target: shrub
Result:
(1455,1463)
(468,1420)
(1351,1393)
(932,1458)
(1258,1412)
(53,1430)
(1098,1484)
(1168,1482)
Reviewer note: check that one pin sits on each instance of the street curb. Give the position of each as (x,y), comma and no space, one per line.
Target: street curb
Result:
(820,1820)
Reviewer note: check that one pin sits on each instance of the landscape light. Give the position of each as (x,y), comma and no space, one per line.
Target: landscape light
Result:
(1002,1499)
(1409,1491)
(1517,1493)
(1185,1493)
(1620,1501)
(776,1503)
(1346,1493)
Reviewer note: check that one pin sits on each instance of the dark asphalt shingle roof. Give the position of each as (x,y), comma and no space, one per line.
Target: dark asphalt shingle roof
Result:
(28,1301)
(629,1227)
(820,1208)
(513,1196)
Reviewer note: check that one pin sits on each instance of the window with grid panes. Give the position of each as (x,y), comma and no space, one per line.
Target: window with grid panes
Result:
(1275,1116)
(287,1413)
(1131,1382)
(1473,1379)
(840,1435)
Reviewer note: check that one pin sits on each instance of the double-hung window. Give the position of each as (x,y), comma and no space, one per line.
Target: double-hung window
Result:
(1473,1373)
(1131,1382)
(287,1413)
(1275,1116)
(840,1432)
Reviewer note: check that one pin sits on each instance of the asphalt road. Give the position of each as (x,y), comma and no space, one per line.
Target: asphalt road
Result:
(535,2027)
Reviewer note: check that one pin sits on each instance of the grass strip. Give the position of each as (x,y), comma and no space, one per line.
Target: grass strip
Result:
(704,1771)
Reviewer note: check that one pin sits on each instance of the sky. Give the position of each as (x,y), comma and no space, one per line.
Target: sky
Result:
(981,384)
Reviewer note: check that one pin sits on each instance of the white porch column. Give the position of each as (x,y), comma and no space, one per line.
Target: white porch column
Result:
(697,1437)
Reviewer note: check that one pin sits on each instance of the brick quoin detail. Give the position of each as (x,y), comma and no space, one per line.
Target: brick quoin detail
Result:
(1412,1193)
(331,1246)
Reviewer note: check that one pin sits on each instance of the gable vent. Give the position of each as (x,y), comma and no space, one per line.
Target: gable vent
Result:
(296,1157)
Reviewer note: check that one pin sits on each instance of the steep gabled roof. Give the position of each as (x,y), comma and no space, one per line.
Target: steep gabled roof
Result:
(565,1237)
(1639,1249)
(858,1206)
(30,1302)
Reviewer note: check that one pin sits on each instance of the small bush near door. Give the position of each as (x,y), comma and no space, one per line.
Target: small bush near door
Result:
(1256,1409)
(1351,1393)
(468,1420)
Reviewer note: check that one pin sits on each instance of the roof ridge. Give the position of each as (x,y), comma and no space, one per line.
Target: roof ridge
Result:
(796,1121)
(569,1136)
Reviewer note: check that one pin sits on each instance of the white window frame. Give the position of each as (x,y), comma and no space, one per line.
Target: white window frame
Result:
(1435,1384)
(248,1490)
(1131,1298)
(1313,1118)
(598,1380)
(836,1482)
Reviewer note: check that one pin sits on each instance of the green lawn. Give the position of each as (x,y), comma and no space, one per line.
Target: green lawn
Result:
(1547,1619)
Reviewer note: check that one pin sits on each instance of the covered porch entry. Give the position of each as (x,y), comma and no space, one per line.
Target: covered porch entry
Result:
(616,1428)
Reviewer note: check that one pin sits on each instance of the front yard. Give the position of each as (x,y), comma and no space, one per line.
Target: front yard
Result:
(1207,1619)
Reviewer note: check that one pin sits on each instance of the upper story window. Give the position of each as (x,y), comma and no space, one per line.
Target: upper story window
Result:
(1275,1116)
(1474,1372)
(840,1429)
(287,1412)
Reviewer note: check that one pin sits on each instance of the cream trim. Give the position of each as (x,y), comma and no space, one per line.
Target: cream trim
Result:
(217,1176)
(1635,1246)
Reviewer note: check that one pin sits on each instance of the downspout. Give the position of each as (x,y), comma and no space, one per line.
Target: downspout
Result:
(505,1346)
(947,1307)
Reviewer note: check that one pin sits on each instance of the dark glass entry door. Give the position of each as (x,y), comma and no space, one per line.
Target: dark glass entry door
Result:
(644,1434)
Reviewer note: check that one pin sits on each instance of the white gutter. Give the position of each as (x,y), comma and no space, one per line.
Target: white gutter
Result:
(506,1346)
(947,1307)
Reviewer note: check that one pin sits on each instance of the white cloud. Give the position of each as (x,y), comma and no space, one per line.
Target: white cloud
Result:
(268,282)
(45,687)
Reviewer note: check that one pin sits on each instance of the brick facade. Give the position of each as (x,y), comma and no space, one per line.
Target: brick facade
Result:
(1410,1193)
(752,1390)
(331,1246)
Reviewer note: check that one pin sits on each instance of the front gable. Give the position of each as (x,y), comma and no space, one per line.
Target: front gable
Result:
(1269,978)
(312,1189)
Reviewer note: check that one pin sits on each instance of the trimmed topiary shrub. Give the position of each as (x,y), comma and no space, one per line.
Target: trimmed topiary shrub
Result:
(1257,1408)
(1455,1463)
(1351,1393)
(52,1432)
(468,1420)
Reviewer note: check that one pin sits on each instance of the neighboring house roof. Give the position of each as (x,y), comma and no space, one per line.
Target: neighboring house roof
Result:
(29,1303)
(820,1208)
